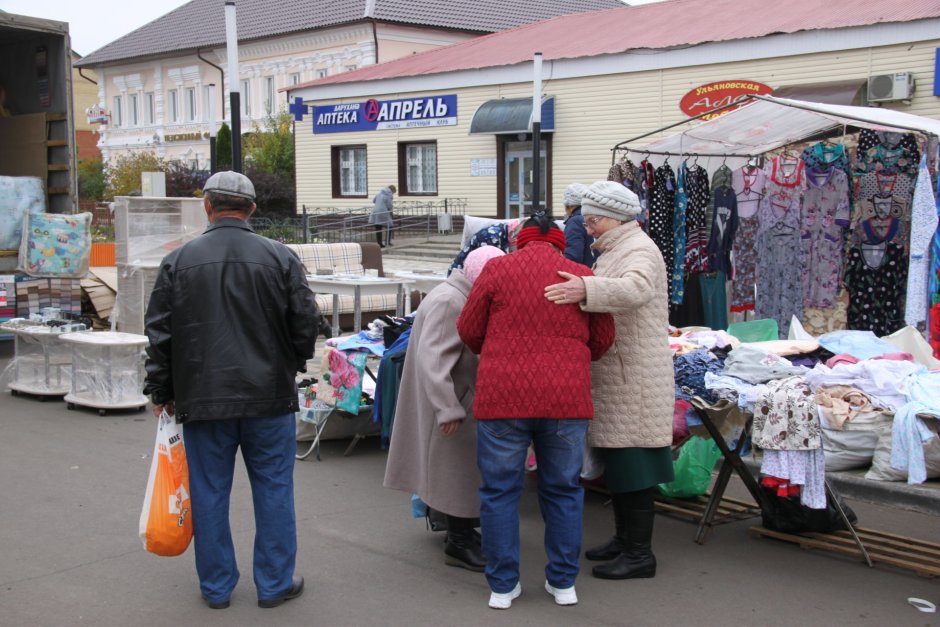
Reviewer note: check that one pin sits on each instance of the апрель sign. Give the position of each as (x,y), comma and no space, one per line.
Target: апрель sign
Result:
(373,114)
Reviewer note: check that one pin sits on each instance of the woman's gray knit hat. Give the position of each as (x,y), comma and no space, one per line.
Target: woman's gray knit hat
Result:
(573,194)
(611,199)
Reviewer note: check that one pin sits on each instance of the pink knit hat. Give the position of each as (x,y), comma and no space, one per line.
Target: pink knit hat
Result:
(473,264)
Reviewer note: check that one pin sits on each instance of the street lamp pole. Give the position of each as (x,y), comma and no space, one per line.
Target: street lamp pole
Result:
(231,45)
(536,132)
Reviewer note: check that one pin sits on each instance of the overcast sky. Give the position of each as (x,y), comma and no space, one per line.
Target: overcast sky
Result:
(95,24)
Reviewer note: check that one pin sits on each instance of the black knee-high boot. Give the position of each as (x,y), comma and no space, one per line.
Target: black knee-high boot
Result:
(637,560)
(613,547)
(462,547)
(378,235)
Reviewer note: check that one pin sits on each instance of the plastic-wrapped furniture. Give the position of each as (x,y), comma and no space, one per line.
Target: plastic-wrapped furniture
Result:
(107,370)
(41,363)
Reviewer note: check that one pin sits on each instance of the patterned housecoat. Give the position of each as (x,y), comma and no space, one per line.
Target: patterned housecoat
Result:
(825,216)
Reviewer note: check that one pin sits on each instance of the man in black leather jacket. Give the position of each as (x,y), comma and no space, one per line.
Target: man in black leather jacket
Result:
(231,320)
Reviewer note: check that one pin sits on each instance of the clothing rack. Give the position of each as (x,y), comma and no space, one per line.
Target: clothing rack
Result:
(682,154)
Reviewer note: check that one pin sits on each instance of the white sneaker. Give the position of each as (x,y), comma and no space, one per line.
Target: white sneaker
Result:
(563,596)
(503,600)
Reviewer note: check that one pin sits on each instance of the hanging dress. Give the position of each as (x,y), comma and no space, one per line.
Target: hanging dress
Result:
(748,185)
(875,278)
(677,271)
(696,235)
(780,295)
(825,216)
(662,206)
(923,227)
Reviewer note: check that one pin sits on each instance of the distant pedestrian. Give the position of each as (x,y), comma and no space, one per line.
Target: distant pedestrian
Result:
(381,216)
(231,321)
(433,452)
(578,241)
(533,385)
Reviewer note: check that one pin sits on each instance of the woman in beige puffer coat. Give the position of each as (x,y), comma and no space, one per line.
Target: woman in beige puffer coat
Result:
(633,384)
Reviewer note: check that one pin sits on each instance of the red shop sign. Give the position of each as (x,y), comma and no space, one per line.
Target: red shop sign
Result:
(713,96)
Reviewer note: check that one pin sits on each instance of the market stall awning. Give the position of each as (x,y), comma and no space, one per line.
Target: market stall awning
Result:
(511,115)
(769,123)
(850,92)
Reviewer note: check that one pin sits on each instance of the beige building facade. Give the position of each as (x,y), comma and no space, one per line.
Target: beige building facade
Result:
(599,101)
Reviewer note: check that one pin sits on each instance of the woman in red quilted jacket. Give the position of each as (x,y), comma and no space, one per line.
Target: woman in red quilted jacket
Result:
(533,385)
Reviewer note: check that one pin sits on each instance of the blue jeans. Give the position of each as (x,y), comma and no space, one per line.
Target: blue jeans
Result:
(268,447)
(501,452)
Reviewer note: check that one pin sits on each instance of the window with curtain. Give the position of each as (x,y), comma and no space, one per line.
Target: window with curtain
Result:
(269,95)
(148,108)
(417,168)
(117,116)
(174,105)
(350,172)
(190,104)
(246,98)
(133,115)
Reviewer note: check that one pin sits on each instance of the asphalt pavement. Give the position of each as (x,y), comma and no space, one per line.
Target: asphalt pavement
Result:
(73,484)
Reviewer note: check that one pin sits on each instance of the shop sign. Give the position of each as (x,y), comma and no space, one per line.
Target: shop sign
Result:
(378,115)
(713,96)
(185,137)
(97,115)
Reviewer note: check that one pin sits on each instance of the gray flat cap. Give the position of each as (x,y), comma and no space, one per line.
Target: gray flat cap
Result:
(231,183)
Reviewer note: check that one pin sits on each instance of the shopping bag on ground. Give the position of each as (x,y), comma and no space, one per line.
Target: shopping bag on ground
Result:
(166,525)
(693,469)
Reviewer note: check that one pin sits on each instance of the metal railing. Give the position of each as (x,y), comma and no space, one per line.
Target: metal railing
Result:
(411,219)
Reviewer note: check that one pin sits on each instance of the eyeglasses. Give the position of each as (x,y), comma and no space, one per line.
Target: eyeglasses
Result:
(593,220)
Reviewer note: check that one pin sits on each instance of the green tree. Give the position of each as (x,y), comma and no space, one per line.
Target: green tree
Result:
(91,179)
(223,148)
(271,149)
(124,173)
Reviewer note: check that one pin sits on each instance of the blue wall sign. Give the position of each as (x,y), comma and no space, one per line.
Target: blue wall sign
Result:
(378,115)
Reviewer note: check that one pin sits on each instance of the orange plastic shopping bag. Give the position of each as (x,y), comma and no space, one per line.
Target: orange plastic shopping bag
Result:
(166,525)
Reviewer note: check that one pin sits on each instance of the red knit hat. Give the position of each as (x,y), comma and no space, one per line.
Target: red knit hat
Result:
(554,236)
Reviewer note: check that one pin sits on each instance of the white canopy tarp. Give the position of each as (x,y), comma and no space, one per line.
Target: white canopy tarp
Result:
(769,123)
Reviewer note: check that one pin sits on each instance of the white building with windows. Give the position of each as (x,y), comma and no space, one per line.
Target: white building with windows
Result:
(161,83)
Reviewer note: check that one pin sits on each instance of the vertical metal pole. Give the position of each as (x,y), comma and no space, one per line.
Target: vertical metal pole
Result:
(231,45)
(536,132)
(305,223)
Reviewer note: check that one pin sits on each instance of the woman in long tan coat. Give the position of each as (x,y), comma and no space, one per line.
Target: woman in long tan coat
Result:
(433,447)
(633,384)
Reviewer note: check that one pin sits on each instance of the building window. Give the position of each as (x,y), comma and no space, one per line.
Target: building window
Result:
(207,96)
(174,105)
(117,116)
(417,168)
(148,108)
(246,98)
(269,95)
(295,78)
(132,110)
(349,68)
(190,104)
(349,171)
(323,73)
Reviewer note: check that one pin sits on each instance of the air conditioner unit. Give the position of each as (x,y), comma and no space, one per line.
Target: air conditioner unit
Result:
(888,87)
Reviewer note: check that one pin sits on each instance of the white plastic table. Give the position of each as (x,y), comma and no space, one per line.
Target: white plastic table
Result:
(41,362)
(357,287)
(107,370)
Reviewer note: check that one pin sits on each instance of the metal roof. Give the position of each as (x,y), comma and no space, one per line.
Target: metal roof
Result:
(201,23)
(651,27)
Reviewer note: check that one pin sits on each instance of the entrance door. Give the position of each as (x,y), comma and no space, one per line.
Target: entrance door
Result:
(519,179)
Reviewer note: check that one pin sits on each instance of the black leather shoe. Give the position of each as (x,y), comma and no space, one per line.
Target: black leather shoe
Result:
(464,553)
(296,589)
(220,605)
